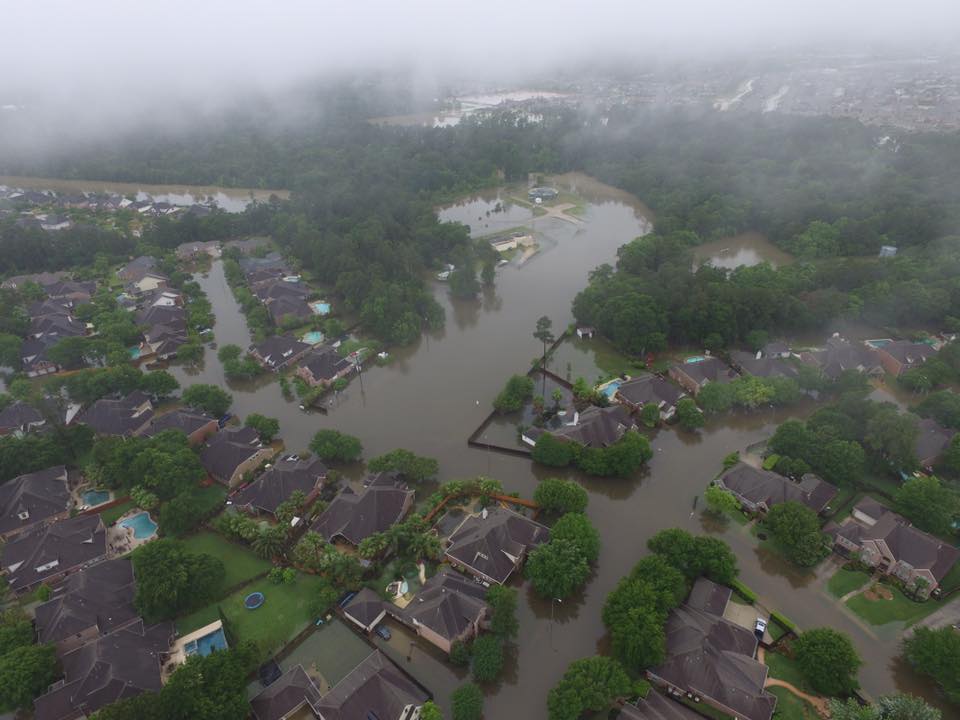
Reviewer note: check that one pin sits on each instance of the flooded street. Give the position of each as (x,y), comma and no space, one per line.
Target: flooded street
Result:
(434,393)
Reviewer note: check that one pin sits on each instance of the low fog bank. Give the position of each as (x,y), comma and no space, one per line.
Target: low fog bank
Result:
(82,71)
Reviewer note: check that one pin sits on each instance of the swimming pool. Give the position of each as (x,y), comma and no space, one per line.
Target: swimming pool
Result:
(611,389)
(205,645)
(313,337)
(694,359)
(141,524)
(93,498)
(320,307)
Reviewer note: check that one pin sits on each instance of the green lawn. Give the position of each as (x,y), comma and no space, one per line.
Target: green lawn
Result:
(791,707)
(786,669)
(899,608)
(111,515)
(284,613)
(844,581)
(241,564)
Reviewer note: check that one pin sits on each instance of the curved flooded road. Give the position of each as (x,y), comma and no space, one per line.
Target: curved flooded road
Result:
(434,393)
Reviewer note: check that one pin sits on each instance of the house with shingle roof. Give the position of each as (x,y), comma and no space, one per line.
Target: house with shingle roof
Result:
(450,607)
(763,366)
(121,664)
(128,416)
(92,603)
(365,610)
(493,544)
(932,441)
(323,365)
(231,454)
(275,486)
(901,355)
(637,392)
(285,696)
(694,375)
(888,542)
(41,497)
(657,706)
(278,351)
(376,688)
(712,659)
(20,418)
(46,554)
(352,517)
(195,424)
(595,427)
(759,490)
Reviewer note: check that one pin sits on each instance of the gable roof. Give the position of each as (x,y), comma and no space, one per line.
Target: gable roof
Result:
(448,604)
(492,542)
(277,484)
(768,488)
(285,695)
(909,353)
(713,657)
(765,367)
(18,415)
(932,440)
(118,417)
(365,608)
(58,547)
(656,706)
(186,420)
(227,450)
(278,350)
(325,363)
(100,596)
(710,369)
(649,388)
(598,427)
(355,516)
(119,665)
(39,495)
(375,688)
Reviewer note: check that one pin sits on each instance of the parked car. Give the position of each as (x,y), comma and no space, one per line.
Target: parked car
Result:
(383,631)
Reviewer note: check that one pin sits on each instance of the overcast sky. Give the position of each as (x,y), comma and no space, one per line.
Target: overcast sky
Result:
(114,47)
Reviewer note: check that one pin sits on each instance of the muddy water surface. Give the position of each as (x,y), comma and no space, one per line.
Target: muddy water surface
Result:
(434,393)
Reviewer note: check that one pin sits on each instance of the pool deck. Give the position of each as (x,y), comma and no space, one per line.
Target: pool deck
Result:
(121,540)
(178,653)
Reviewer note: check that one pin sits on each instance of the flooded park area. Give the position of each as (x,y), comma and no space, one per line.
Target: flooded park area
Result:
(434,393)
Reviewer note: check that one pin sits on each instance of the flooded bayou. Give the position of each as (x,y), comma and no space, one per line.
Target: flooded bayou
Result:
(433,394)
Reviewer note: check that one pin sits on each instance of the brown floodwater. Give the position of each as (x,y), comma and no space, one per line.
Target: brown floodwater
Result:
(750,248)
(229,199)
(434,393)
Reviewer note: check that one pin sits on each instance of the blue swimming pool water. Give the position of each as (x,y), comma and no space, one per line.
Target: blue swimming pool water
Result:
(207,644)
(695,359)
(611,389)
(95,497)
(321,308)
(313,337)
(141,524)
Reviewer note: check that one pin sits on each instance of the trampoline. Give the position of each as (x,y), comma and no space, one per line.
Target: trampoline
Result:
(253,600)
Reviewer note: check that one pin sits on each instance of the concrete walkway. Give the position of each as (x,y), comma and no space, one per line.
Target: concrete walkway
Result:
(819,704)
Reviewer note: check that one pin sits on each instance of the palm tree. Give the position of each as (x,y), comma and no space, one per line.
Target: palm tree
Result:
(269,542)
